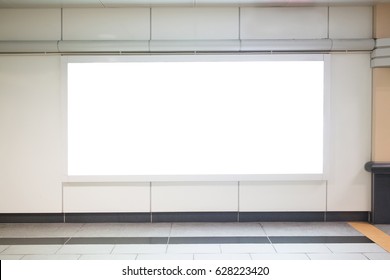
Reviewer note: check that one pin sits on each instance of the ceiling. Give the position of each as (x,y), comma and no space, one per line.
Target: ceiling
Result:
(130,3)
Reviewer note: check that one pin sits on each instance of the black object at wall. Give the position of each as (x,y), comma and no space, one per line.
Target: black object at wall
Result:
(380,191)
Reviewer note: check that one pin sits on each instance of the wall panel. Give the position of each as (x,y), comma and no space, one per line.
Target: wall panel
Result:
(196,197)
(106,24)
(30,24)
(30,142)
(105,198)
(350,22)
(195,23)
(284,23)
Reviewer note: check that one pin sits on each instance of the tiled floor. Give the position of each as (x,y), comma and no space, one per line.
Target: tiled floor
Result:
(188,241)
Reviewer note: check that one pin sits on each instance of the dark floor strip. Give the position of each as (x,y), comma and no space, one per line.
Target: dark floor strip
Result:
(186,240)
(218,240)
(319,239)
(33,241)
(118,240)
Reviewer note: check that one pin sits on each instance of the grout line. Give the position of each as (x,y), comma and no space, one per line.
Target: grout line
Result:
(378,236)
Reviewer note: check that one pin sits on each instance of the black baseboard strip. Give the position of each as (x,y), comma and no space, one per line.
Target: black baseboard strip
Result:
(357,216)
(204,217)
(31,217)
(281,216)
(107,218)
(178,217)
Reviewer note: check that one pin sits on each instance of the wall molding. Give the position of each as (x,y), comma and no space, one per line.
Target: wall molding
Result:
(381,55)
(164,46)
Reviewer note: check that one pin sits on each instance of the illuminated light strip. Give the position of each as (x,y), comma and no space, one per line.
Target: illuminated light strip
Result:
(373,233)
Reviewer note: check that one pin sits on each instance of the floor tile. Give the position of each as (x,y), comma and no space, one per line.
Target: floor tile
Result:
(309,229)
(247,248)
(3,247)
(125,230)
(279,257)
(219,240)
(51,257)
(118,240)
(85,249)
(217,229)
(319,239)
(222,257)
(194,248)
(165,257)
(31,249)
(378,256)
(39,230)
(34,241)
(301,248)
(140,249)
(109,257)
(337,257)
(11,257)
(384,228)
(355,248)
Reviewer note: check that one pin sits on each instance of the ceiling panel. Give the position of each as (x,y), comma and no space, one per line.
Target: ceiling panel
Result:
(129,3)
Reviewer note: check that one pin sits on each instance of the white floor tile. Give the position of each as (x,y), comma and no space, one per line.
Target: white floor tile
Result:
(222,257)
(301,248)
(355,248)
(217,229)
(31,249)
(247,248)
(194,248)
(109,257)
(279,257)
(165,257)
(378,256)
(140,249)
(85,249)
(11,257)
(51,257)
(309,229)
(337,256)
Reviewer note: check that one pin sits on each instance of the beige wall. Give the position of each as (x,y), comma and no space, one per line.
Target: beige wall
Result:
(381,115)
(382,21)
(381,92)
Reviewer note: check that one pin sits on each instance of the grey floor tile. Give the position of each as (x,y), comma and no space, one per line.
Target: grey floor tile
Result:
(39,230)
(384,228)
(216,229)
(355,248)
(194,248)
(51,257)
(247,248)
(301,248)
(378,256)
(85,249)
(222,257)
(140,249)
(165,257)
(124,230)
(31,249)
(11,257)
(109,257)
(309,229)
(279,257)
(353,256)
(3,247)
